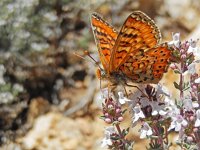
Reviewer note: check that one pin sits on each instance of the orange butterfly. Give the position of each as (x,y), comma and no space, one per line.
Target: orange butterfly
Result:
(134,54)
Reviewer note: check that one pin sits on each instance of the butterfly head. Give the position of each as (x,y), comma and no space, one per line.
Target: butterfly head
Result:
(101,74)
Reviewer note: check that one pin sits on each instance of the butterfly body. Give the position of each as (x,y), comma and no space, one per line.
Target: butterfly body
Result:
(134,54)
(116,78)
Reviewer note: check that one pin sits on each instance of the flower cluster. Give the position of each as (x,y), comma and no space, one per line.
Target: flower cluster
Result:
(113,114)
(112,111)
(189,89)
(156,111)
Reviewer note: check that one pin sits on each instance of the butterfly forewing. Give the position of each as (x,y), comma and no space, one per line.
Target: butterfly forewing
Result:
(105,36)
(139,32)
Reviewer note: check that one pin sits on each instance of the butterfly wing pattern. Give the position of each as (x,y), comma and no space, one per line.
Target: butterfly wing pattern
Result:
(138,32)
(148,67)
(105,37)
(135,52)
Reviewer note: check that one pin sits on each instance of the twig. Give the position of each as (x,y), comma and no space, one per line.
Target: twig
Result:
(85,100)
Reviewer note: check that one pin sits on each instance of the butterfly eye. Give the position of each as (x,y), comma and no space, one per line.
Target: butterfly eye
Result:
(103,73)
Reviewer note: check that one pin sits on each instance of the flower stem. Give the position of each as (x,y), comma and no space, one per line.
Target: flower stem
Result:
(181,81)
(119,130)
(120,134)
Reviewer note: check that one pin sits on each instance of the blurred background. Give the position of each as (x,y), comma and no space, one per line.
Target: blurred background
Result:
(49,97)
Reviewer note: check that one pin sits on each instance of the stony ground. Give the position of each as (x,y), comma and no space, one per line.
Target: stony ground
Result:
(61,107)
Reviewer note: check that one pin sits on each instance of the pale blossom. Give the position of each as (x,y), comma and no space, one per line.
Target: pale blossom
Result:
(194,49)
(158,109)
(144,102)
(137,112)
(197,80)
(176,40)
(197,122)
(145,131)
(169,102)
(122,99)
(162,90)
(177,123)
(192,69)
(107,141)
(187,103)
(105,93)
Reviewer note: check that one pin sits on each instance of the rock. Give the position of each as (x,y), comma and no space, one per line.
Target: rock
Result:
(55,131)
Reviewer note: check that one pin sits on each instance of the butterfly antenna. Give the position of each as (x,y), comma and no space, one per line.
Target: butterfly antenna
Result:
(88,54)
(79,56)
(96,63)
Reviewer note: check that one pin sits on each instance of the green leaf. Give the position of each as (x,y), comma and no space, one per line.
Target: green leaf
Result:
(176,85)
(102,117)
(125,132)
(124,111)
(177,71)
(186,86)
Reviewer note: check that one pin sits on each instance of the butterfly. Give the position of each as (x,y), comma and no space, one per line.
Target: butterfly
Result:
(133,54)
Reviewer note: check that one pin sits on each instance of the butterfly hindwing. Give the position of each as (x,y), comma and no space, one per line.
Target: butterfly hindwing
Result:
(149,66)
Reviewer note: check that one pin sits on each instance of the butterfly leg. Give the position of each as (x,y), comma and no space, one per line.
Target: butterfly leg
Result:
(111,88)
(125,91)
(137,88)
(114,87)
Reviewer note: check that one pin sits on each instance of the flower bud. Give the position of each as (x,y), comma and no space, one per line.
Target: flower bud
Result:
(106,114)
(195,130)
(118,110)
(182,51)
(183,56)
(191,118)
(173,66)
(120,119)
(110,106)
(194,87)
(189,139)
(108,120)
